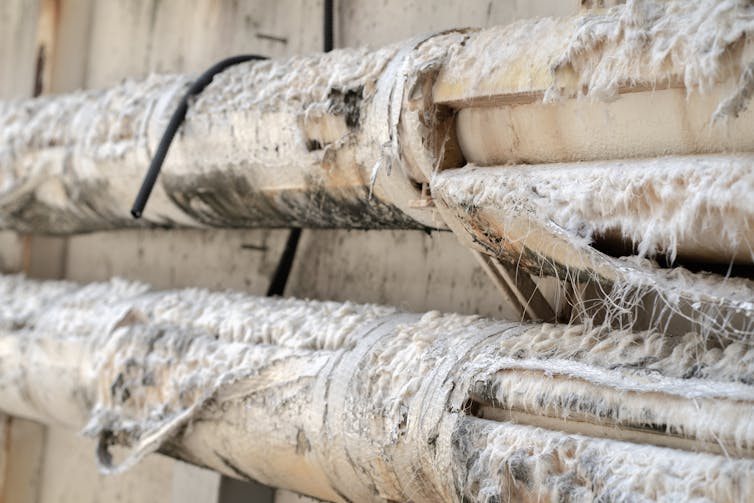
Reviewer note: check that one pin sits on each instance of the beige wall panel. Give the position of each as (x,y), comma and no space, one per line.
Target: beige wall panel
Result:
(72,40)
(409,269)
(24,460)
(4,434)
(18,53)
(46,257)
(10,252)
(133,38)
(217,259)
(70,476)
(378,23)
(283,496)
(191,484)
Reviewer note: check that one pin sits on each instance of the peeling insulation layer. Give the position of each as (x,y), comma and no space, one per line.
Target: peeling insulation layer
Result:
(71,162)
(586,136)
(658,78)
(346,139)
(364,403)
(692,207)
(540,220)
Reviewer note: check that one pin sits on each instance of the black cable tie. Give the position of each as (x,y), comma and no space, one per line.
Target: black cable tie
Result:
(175,122)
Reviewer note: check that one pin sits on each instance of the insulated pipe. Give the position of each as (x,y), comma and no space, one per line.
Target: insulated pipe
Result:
(364,403)
(654,95)
(619,137)
(308,141)
(305,141)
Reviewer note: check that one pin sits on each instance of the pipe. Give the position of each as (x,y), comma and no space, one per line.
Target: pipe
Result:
(352,402)
(351,138)
(310,141)
(175,122)
(392,138)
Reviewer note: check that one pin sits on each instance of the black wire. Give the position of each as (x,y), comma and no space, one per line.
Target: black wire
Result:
(283,269)
(175,122)
(328,30)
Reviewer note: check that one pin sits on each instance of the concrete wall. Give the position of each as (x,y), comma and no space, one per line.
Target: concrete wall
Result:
(95,43)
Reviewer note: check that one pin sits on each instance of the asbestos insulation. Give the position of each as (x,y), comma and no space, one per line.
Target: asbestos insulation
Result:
(662,206)
(640,81)
(650,397)
(362,403)
(297,141)
(347,139)
(537,218)
(272,143)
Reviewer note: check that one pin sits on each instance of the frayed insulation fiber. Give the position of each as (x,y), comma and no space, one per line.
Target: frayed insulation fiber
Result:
(610,154)
(353,402)
(643,92)
(542,219)
(602,53)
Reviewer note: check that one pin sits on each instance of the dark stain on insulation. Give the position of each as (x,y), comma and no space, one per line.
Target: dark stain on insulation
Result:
(220,198)
(348,104)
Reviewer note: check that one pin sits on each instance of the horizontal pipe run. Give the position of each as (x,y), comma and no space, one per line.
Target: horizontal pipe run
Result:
(351,138)
(379,139)
(364,403)
(690,208)
(310,141)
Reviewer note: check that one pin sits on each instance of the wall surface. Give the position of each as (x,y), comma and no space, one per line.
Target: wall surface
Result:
(97,43)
